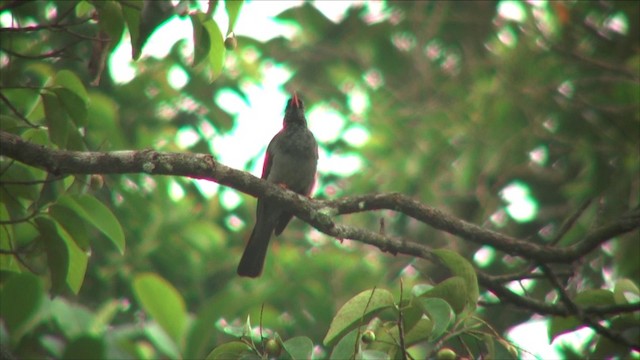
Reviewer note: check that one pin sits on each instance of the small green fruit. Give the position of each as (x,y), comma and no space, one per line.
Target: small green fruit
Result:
(231,43)
(273,348)
(446,354)
(368,337)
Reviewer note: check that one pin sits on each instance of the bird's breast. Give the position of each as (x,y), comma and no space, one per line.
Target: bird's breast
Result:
(295,161)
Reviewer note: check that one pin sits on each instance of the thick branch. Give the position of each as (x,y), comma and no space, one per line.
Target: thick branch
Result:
(317,213)
(480,235)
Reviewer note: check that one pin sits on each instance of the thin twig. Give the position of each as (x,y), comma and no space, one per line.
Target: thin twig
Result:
(16,111)
(525,276)
(578,312)
(51,54)
(21,220)
(568,224)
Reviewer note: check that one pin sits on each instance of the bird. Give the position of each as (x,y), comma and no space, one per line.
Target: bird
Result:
(290,161)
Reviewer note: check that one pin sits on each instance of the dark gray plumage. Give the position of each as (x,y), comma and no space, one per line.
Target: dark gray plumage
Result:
(290,161)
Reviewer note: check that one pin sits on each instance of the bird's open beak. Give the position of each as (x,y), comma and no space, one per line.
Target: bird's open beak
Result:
(296,101)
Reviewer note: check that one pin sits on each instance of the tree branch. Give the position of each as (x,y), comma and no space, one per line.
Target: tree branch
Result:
(315,212)
(580,315)
(474,233)
(532,305)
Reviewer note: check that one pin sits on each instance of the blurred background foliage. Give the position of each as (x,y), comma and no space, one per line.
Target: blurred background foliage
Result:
(509,115)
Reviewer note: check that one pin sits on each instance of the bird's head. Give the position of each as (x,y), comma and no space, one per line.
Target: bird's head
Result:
(294,112)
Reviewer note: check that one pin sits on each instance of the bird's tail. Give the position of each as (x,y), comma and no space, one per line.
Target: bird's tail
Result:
(252,260)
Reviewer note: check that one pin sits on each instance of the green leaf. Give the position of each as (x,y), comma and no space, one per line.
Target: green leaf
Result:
(72,319)
(208,43)
(8,262)
(411,314)
(21,296)
(490,345)
(422,331)
(593,297)
(299,347)
(372,354)
(24,100)
(344,349)
(18,172)
(57,120)
(67,262)
(72,223)
(440,313)
(230,350)
(387,338)
(52,189)
(132,17)
(354,311)
(97,214)
(217,51)
(57,253)
(85,347)
(559,325)
(70,81)
(73,96)
(153,14)
(452,290)
(201,331)
(509,347)
(161,340)
(37,136)
(233,10)
(77,261)
(104,127)
(201,41)
(626,291)
(110,20)
(628,326)
(163,302)
(459,266)
(84,9)
(73,105)
(105,314)
(9,123)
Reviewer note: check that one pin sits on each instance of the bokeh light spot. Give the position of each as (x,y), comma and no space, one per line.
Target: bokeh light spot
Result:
(484,256)
(539,155)
(325,123)
(230,199)
(356,135)
(186,137)
(521,206)
(176,192)
(177,77)
(512,10)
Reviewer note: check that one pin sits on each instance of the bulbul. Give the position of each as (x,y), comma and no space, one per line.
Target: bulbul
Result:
(290,161)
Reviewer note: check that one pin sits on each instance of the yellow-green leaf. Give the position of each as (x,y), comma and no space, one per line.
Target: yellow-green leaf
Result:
(459,266)
(97,214)
(233,10)
(355,310)
(163,302)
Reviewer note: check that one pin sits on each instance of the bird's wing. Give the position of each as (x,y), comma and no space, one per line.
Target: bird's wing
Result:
(266,167)
(269,156)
